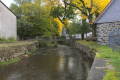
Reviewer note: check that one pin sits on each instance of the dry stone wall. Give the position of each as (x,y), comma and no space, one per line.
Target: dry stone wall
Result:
(103,31)
(16,51)
(89,51)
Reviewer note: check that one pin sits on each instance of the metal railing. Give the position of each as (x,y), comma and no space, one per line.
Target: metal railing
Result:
(114,40)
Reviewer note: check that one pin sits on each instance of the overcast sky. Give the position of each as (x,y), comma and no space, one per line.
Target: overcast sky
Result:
(7,2)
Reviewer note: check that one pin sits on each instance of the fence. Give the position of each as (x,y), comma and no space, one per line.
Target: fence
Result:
(71,39)
(114,40)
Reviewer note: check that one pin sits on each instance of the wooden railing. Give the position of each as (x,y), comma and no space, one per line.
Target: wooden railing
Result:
(71,39)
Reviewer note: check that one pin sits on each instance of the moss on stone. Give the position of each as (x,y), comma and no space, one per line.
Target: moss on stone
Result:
(10,61)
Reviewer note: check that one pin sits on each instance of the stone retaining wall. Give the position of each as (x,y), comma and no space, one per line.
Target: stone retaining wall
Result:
(16,51)
(89,51)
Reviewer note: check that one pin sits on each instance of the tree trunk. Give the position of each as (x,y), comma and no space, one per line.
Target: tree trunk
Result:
(93,30)
(82,35)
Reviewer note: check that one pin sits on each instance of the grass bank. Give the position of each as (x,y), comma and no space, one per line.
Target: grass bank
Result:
(9,40)
(105,52)
(18,43)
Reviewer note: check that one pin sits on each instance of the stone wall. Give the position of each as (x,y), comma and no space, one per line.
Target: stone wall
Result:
(103,31)
(16,51)
(89,51)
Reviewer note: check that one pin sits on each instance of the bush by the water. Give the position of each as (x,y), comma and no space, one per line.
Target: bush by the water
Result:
(46,43)
(63,37)
(63,42)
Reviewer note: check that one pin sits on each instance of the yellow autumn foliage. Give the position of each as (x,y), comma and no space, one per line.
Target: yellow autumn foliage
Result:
(100,5)
(57,24)
(66,21)
(97,7)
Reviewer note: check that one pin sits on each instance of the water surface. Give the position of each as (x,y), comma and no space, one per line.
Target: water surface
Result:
(49,63)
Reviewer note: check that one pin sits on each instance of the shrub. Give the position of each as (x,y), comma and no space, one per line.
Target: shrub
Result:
(63,37)
(42,43)
(4,40)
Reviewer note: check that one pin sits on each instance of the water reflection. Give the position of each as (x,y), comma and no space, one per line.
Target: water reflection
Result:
(61,63)
(70,63)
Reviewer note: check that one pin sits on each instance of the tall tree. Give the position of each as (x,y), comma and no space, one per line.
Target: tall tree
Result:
(33,18)
(89,9)
(63,12)
(79,27)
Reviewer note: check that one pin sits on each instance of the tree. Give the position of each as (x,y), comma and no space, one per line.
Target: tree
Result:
(33,18)
(79,27)
(63,12)
(89,9)
(58,26)
(85,28)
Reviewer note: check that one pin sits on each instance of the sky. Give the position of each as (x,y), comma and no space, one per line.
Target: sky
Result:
(7,2)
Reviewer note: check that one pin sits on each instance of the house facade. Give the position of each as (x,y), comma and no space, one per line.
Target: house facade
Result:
(108,21)
(8,27)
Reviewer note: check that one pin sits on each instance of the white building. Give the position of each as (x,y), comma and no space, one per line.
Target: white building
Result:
(8,25)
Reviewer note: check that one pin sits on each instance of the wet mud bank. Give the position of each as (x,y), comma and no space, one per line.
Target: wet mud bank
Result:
(15,51)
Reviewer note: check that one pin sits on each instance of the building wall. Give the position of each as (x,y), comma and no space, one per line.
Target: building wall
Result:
(103,30)
(7,22)
(112,13)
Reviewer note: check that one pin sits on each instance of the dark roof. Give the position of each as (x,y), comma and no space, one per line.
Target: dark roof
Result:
(7,7)
(105,9)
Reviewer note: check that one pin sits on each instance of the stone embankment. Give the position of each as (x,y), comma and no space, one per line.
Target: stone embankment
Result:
(89,51)
(16,51)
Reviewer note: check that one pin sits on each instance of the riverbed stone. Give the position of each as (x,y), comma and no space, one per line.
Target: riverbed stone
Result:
(25,55)
(3,58)
(14,56)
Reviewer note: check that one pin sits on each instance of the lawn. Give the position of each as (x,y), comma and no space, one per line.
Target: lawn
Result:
(105,52)
(16,43)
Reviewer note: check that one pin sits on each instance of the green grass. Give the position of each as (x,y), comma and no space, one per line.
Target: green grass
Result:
(105,52)
(111,75)
(9,40)
(16,44)
(9,61)
(28,53)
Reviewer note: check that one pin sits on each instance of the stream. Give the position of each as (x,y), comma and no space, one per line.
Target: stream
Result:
(49,63)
